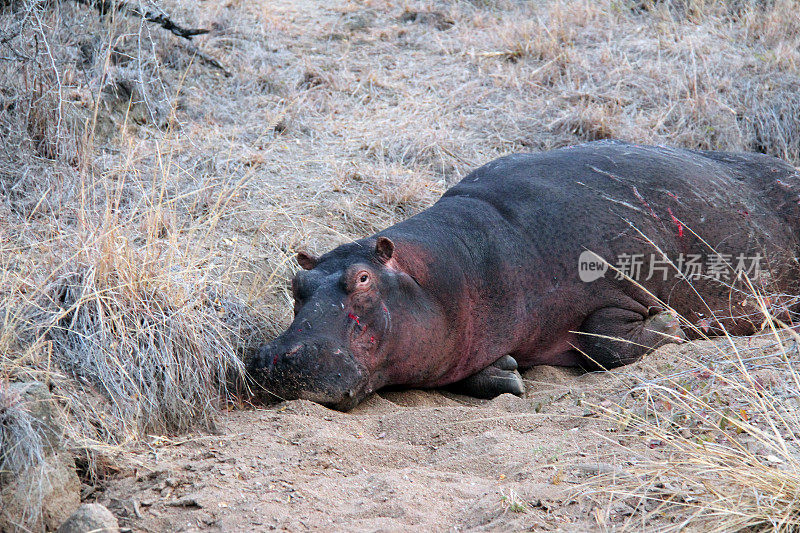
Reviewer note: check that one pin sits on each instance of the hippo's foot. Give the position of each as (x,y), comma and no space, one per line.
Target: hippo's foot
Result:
(615,336)
(496,379)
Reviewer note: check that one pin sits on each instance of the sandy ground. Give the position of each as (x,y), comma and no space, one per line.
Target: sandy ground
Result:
(427,460)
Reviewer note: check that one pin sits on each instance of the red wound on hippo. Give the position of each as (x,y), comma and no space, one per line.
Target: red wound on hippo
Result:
(677,222)
(307,261)
(351,316)
(384,248)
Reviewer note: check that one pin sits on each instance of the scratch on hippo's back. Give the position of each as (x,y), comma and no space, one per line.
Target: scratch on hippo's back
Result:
(622,202)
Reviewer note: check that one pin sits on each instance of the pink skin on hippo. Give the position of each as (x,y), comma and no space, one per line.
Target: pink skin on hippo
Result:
(487,278)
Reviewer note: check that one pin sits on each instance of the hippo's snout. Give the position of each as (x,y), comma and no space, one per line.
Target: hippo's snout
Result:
(318,371)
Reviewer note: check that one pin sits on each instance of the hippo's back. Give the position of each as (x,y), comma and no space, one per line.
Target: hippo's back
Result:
(587,194)
(622,200)
(635,181)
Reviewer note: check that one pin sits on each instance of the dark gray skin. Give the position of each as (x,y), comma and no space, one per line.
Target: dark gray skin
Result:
(487,278)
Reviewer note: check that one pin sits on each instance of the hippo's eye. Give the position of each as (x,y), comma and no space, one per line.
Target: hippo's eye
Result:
(357,281)
(362,280)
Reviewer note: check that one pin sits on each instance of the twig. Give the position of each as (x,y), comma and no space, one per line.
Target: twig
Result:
(207,59)
(155,15)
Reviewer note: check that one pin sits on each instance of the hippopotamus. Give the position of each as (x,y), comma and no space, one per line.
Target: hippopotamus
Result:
(526,261)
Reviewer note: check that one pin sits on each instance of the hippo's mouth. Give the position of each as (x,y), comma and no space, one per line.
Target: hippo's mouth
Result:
(314,372)
(344,402)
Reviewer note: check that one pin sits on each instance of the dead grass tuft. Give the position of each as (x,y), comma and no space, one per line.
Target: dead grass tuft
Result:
(22,449)
(774,124)
(727,429)
(371,199)
(549,36)
(593,124)
(159,350)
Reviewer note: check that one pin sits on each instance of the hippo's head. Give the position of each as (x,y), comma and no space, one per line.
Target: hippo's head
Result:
(348,308)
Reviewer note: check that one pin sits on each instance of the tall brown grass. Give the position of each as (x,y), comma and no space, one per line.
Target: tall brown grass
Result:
(114,287)
(725,427)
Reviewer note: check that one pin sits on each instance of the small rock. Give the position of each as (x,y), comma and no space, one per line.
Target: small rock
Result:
(53,487)
(90,517)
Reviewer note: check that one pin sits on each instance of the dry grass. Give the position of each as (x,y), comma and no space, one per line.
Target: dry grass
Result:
(141,332)
(22,441)
(150,206)
(22,449)
(725,427)
(726,430)
(113,289)
(159,348)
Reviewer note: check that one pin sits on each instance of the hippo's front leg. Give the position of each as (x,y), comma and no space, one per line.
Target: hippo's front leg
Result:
(496,379)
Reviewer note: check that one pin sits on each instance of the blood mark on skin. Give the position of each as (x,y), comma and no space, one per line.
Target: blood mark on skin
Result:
(362,327)
(677,222)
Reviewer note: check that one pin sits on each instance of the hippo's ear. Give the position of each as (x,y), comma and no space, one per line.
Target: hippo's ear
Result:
(384,248)
(307,261)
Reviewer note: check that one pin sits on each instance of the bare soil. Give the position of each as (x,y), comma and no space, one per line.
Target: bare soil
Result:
(418,459)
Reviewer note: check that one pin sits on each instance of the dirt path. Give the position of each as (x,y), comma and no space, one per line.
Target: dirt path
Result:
(422,459)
